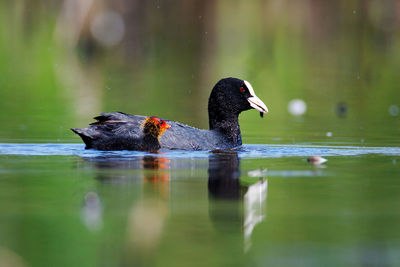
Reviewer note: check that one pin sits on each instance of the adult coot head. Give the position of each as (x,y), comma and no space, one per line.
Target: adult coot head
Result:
(229,97)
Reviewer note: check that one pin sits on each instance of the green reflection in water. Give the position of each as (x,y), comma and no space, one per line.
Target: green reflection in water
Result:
(160,211)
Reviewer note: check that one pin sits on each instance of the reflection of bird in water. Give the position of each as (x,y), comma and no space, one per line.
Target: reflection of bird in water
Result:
(147,216)
(225,207)
(223,175)
(109,133)
(155,163)
(226,192)
(154,170)
(254,209)
(155,173)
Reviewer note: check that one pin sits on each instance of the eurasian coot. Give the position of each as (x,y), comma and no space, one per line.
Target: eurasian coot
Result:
(110,134)
(229,97)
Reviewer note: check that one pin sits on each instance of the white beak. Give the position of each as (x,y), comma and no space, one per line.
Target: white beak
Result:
(257,104)
(254,101)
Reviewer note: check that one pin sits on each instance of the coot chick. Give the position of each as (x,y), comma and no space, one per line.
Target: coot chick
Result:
(118,135)
(228,98)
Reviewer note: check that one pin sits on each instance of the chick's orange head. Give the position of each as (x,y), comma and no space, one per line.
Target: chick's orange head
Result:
(159,122)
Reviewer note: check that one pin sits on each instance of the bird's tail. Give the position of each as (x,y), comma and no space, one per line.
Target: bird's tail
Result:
(84,134)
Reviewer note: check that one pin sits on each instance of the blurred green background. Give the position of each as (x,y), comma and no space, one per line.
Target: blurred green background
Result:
(63,62)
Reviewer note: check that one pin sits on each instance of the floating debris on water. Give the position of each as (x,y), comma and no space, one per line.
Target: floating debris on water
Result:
(317,160)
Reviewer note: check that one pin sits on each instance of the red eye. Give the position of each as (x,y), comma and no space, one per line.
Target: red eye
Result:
(242,89)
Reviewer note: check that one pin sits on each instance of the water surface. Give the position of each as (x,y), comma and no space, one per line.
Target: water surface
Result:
(260,204)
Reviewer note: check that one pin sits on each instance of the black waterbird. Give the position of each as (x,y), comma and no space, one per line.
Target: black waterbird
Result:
(228,98)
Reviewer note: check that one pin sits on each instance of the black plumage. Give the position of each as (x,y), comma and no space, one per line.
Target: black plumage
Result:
(229,97)
(110,132)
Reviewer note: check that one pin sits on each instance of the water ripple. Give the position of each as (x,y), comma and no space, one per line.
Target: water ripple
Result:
(246,151)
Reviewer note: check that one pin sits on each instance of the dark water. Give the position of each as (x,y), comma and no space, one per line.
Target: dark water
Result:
(261,205)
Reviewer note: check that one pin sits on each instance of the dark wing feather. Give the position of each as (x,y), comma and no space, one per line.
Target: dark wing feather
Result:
(112,130)
(113,117)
